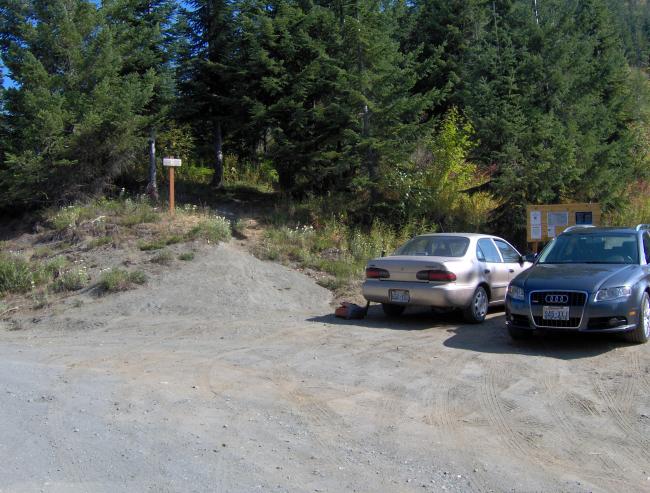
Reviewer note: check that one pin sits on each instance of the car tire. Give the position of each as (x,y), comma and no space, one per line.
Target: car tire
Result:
(392,310)
(516,333)
(477,310)
(641,333)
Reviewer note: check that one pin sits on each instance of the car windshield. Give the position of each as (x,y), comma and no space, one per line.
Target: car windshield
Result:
(593,248)
(437,246)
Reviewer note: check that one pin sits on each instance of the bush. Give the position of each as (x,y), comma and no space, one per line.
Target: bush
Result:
(114,280)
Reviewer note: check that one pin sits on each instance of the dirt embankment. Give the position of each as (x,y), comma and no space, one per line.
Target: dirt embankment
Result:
(228,374)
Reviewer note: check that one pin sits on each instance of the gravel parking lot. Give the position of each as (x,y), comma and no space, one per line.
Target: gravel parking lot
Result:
(229,374)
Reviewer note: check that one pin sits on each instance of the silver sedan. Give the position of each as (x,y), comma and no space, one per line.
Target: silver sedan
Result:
(445,270)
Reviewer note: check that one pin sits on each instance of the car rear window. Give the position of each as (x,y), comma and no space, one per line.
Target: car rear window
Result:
(435,246)
(592,249)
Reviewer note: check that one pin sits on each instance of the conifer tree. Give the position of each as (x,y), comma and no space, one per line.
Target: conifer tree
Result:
(205,76)
(75,119)
(143,30)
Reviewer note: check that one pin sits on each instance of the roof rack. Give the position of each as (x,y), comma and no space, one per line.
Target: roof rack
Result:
(639,227)
(579,226)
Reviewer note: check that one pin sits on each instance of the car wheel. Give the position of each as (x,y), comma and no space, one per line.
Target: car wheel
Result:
(477,310)
(393,310)
(516,333)
(641,333)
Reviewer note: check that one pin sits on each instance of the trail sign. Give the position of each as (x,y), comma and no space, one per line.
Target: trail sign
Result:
(171,162)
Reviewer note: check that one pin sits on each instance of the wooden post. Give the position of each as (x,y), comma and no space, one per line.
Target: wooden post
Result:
(171,163)
(171,190)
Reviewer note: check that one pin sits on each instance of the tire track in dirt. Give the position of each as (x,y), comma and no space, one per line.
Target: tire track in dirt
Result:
(443,413)
(555,400)
(619,415)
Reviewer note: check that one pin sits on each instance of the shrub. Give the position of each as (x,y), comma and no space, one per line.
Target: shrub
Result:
(114,280)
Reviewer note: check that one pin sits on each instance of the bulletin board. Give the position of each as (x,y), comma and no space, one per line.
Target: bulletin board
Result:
(545,222)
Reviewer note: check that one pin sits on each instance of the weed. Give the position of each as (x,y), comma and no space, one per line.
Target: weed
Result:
(146,246)
(43,252)
(40,299)
(163,258)
(238,228)
(215,229)
(101,241)
(137,213)
(15,274)
(186,256)
(159,243)
(114,280)
(72,280)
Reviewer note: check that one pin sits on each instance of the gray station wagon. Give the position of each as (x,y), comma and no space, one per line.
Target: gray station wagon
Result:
(586,279)
(444,270)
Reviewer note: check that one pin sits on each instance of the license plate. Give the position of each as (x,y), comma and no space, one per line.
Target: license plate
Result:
(556,313)
(399,295)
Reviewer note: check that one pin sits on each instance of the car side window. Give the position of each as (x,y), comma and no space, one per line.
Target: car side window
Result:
(489,250)
(646,247)
(479,254)
(508,253)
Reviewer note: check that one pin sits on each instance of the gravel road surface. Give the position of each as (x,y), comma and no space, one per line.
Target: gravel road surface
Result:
(229,374)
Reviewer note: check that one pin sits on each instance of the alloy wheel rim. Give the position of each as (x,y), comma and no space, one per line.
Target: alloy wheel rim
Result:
(480,304)
(646,316)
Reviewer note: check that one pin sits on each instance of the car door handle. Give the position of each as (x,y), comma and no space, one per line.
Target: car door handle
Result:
(487,271)
(511,270)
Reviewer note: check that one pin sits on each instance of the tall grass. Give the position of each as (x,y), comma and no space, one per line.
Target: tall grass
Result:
(334,247)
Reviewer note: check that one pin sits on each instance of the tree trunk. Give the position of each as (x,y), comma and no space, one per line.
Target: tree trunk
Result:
(152,187)
(217,178)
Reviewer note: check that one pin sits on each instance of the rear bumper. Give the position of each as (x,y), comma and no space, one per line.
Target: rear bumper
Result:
(448,295)
(595,317)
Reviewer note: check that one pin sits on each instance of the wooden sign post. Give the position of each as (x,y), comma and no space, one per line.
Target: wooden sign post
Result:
(171,163)
(545,222)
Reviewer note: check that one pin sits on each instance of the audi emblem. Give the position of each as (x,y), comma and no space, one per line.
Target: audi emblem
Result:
(556,298)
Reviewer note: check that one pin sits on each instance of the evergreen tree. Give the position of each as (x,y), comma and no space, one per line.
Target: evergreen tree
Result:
(550,104)
(205,76)
(75,120)
(143,30)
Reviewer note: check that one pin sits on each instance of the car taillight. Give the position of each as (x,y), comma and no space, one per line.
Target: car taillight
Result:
(436,275)
(375,273)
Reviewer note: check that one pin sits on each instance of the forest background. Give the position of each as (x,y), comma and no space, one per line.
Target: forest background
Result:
(447,114)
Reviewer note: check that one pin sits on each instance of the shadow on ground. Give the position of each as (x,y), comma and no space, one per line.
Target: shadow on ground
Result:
(488,337)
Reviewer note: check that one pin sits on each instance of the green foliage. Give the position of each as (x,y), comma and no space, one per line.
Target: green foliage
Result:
(186,256)
(16,274)
(215,229)
(98,242)
(71,280)
(76,112)
(163,258)
(114,280)
(334,247)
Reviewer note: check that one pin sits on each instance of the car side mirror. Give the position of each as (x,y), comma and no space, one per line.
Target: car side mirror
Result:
(530,257)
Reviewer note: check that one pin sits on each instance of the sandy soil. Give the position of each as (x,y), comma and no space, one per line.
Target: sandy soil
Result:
(229,374)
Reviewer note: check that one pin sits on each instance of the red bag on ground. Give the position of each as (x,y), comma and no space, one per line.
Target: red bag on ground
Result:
(351,311)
